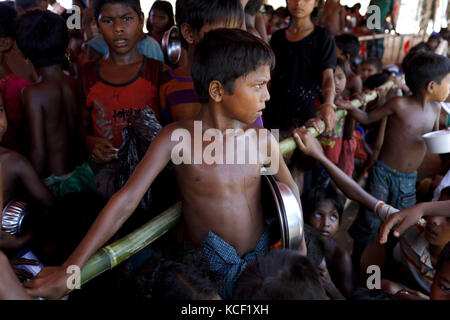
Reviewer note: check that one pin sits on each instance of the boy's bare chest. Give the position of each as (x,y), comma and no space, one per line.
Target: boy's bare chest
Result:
(415,122)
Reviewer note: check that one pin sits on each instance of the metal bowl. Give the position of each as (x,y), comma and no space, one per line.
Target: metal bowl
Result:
(171,45)
(15,218)
(280,201)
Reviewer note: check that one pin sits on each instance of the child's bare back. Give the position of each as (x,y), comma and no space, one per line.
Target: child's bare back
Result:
(51,111)
(404,148)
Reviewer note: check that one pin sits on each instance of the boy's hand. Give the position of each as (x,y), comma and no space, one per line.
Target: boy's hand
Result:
(407,218)
(315,123)
(328,115)
(50,283)
(344,104)
(8,241)
(101,150)
(307,143)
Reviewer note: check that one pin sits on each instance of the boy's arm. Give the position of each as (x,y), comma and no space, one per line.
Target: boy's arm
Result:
(52,282)
(410,216)
(10,287)
(30,180)
(35,123)
(327,112)
(310,146)
(369,117)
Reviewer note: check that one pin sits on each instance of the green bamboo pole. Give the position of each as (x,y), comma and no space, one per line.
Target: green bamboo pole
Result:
(114,254)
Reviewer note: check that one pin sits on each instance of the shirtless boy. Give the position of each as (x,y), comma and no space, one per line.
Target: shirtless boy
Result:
(221,202)
(51,104)
(392,179)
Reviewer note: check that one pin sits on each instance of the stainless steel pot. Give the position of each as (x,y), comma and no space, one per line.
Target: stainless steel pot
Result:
(171,45)
(15,218)
(280,201)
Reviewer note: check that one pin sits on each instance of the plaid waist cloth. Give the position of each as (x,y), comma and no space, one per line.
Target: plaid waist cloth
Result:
(226,262)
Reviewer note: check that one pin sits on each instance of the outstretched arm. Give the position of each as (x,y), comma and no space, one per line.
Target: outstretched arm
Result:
(369,117)
(409,217)
(51,282)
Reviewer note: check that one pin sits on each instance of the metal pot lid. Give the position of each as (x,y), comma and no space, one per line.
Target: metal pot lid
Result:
(288,210)
(171,45)
(15,217)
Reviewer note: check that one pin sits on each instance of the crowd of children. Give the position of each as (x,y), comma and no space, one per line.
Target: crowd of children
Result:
(89,121)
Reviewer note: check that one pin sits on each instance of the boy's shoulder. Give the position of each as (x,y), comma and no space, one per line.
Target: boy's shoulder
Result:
(11,159)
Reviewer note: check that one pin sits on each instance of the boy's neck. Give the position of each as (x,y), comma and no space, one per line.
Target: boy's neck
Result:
(422,98)
(53,71)
(212,115)
(134,56)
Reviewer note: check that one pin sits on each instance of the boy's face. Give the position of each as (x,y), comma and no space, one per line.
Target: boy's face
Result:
(440,289)
(441,90)
(120,26)
(437,231)
(301,8)
(340,80)
(249,96)
(366,70)
(325,219)
(3,122)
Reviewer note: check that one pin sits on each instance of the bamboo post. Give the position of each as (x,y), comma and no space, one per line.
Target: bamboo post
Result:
(110,256)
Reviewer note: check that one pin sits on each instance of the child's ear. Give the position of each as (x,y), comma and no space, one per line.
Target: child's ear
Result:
(430,87)
(216,90)
(187,33)
(6,43)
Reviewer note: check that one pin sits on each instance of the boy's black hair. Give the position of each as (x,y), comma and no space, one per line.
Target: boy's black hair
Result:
(184,276)
(253,6)
(374,62)
(27,4)
(445,192)
(43,37)
(166,7)
(133,4)
(314,245)
(342,64)
(444,258)
(225,55)
(8,16)
(376,80)
(424,68)
(198,13)
(282,274)
(313,197)
(349,44)
(374,294)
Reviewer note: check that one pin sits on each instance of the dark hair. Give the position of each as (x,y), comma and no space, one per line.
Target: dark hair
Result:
(341,63)
(182,277)
(444,257)
(436,37)
(282,274)
(376,80)
(313,197)
(27,4)
(197,13)
(374,294)
(225,55)
(314,245)
(374,62)
(42,36)
(166,7)
(349,44)
(445,192)
(424,68)
(133,4)
(8,16)
(253,6)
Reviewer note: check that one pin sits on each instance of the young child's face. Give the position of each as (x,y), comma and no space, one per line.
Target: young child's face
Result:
(440,289)
(301,8)
(120,26)
(366,70)
(340,80)
(249,96)
(158,20)
(437,231)
(325,219)
(441,91)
